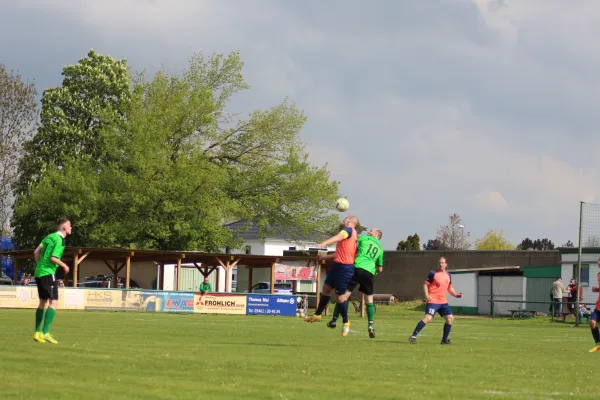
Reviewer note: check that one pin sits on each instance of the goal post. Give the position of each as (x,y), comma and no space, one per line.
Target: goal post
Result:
(588,254)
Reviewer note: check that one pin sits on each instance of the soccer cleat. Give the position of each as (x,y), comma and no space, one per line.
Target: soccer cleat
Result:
(48,338)
(313,318)
(346,329)
(372,332)
(412,339)
(445,342)
(39,337)
(331,324)
(595,348)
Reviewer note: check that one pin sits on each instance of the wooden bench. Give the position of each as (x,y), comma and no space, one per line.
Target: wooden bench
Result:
(564,316)
(522,313)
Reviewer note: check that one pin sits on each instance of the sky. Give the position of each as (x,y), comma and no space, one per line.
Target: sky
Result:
(421,109)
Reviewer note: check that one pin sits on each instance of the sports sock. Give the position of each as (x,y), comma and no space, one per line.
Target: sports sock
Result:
(596,335)
(322,304)
(336,312)
(50,313)
(420,326)
(39,319)
(371,313)
(447,328)
(344,311)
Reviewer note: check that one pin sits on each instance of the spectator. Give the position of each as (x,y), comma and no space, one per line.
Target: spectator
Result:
(557,293)
(583,311)
(572,288)
(205,287)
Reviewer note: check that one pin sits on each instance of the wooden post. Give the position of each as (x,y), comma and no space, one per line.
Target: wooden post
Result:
(127,271)
(75,268)
(17,268)
(162,277)
(179,274)
(362,305)
(76,261)
(272,289)
(116,275)
(249,279)
(227,277)
(318,290)
(217,285)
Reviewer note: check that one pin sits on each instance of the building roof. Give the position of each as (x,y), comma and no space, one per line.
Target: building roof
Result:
(166,257)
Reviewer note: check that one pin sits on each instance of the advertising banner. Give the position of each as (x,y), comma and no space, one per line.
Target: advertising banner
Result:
(296,271)
(272,305)
(157,301)
(104,299)
(72,299)
(8,297)
(216,303)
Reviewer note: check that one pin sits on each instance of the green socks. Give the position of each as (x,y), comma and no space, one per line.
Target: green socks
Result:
(39,319)
(371,313)
(50,313)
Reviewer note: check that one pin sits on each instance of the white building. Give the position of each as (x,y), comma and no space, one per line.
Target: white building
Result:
(273,245)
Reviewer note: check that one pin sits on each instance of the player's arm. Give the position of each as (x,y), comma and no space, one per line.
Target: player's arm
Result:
(428,281)
(426,290)
(55,258)
(36,253)
(344,234)
(379,262)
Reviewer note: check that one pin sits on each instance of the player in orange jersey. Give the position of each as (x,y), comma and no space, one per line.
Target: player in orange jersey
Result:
(437,284)
(595,317)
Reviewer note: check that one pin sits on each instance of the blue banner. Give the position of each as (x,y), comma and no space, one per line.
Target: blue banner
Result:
(271,305)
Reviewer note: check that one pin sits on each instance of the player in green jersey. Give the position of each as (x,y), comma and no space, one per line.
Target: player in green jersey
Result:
(48,258)
(368,262)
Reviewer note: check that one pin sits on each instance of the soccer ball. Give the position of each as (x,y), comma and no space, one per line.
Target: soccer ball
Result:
(342,204)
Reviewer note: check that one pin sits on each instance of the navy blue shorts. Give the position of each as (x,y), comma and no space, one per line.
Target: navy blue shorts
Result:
(595,316)
(339,277)
(443,309)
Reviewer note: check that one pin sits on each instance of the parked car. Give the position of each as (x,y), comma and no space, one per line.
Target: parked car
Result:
(104,281)
(265,287)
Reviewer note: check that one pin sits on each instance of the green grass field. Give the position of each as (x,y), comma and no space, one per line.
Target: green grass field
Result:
(117,355)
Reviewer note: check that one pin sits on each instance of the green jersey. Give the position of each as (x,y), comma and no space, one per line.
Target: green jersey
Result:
(205,287)
(369,253)
(53,245)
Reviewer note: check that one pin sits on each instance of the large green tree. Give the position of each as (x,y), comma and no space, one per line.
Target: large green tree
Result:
(412,243)
(94,94)
(176,168)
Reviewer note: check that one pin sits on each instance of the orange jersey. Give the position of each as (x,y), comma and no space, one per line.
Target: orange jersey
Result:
(439,282)
(345,251)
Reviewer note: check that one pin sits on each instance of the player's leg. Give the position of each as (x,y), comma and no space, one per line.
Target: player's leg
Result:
(594,327)
(430,310)
(44,296)
(51,310)
(367,287)
(325,295)
(346,272)
(446,312)
(336,312)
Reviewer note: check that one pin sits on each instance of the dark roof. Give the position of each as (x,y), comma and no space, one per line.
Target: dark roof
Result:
(249,231)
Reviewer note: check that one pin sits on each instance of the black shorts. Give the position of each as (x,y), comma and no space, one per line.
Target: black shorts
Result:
(47,286)
(365,279)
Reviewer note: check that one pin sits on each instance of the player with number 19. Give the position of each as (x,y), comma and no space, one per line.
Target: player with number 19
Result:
(437,284)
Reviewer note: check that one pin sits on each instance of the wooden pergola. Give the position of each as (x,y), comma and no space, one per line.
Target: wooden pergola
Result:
(206,263)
